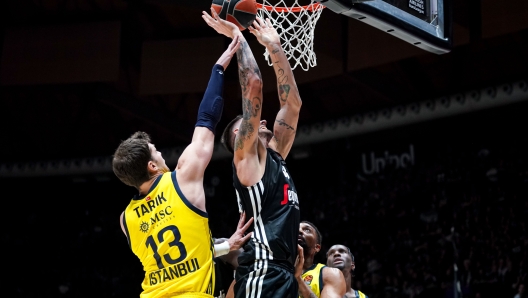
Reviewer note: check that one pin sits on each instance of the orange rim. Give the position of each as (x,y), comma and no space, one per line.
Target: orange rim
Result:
(310,7)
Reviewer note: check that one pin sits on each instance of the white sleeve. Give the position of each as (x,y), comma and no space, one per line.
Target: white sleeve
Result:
(221,249)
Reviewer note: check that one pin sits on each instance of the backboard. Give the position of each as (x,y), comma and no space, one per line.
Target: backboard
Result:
(423,23)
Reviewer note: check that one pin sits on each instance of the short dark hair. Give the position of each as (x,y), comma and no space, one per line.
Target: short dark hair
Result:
(131,158)
(319,236)
(348,249)
(228,135)
(350,253)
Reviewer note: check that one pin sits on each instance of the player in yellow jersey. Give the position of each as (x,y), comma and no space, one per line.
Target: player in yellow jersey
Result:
(166,223)
(340,257)
(315,280)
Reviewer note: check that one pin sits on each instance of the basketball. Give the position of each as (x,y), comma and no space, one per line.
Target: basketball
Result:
(239,12)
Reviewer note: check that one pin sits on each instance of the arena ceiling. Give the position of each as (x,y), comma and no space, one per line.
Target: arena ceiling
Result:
(78,76)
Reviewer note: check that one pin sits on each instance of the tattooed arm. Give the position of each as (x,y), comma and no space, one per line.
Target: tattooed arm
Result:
(285,125)
(246,141)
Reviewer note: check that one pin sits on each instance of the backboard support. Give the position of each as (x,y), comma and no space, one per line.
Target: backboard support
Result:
(426,24)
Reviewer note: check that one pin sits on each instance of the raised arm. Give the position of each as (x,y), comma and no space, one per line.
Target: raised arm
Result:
(195,158)
(304,290)
(246,140)
(285,125)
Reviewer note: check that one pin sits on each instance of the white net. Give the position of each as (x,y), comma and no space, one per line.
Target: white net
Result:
(295,24)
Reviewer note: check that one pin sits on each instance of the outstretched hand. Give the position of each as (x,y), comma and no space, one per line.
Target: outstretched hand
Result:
(238,238)
(229,53)
(264,31)
(221,26)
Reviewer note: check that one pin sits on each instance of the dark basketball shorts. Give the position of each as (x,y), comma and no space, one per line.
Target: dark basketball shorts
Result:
(265,280)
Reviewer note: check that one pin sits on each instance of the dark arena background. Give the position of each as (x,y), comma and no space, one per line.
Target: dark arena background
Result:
(416,161)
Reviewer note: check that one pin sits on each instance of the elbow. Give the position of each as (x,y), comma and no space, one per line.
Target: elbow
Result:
(255,81)
(298,103)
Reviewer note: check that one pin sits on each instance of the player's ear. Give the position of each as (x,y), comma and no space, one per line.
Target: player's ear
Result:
(152,167)
(353,267)
(317,248)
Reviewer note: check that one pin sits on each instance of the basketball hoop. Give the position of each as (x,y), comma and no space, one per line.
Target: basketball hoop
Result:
(295,25)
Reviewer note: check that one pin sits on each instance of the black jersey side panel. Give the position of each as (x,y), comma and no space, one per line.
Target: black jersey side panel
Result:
(274,205)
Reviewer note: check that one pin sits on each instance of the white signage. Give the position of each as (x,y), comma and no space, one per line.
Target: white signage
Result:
(372,164)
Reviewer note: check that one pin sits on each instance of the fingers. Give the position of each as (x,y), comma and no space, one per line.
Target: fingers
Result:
(207,18)
(258,24)
(214,14)
(243,214)
(233,47)
(246,226)
(261,22)
(246,237)
(300,251)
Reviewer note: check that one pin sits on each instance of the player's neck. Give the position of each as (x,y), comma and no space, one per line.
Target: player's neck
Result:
(308,262)
(348,281)
(145,187)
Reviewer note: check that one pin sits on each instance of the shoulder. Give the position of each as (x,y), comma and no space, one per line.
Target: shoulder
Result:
(330,273)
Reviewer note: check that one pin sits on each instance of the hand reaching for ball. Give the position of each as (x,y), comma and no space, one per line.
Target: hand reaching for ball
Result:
(264,31)
(229,53)
(221,26)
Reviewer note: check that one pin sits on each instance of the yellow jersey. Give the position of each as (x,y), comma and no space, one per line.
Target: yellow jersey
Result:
(360,294)
(313,277)
(172,239)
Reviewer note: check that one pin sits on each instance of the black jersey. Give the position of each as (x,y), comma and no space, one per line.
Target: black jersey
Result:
(274,205)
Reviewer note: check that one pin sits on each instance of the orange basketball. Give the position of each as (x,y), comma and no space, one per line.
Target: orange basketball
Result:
(239,12)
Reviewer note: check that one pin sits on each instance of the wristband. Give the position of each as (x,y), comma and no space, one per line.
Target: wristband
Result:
(210,110)
(221,249)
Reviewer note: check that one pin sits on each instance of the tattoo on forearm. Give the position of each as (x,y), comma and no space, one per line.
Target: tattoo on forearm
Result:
(282,123)
(282,82)
(246,109)
(284,91)
(281,78)
(257,104)
(246,66)
(251,108)
(243,78)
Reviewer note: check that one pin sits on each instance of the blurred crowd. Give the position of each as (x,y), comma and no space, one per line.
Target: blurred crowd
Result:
(407,228)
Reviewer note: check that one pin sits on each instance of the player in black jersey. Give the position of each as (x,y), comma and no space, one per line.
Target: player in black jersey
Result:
(264,187)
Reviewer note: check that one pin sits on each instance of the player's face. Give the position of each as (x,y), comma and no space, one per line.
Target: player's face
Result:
(338,257)
(158,159)
(307,238)
(264,133)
